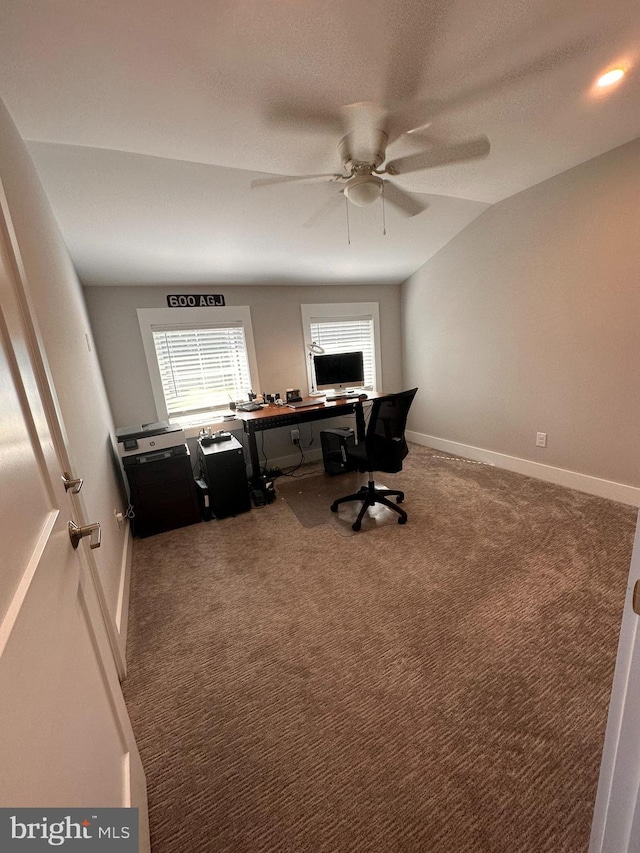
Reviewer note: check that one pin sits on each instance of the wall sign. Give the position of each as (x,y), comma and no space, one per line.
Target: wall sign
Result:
(195,300)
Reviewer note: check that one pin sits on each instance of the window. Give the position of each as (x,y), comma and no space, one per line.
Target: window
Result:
(345,328)
(199,359)
(201,368)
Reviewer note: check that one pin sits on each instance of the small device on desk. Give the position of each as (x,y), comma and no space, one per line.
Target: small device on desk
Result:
(248,407)
(207,438)
(304,404)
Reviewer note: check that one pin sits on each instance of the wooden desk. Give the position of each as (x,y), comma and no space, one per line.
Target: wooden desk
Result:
(273,417)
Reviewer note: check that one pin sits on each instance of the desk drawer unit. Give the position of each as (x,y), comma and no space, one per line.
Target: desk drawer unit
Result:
(222,467)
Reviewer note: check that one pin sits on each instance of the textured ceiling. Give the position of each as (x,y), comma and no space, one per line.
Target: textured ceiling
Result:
(148,121)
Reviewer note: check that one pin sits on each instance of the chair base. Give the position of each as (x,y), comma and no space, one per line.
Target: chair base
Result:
(370,495)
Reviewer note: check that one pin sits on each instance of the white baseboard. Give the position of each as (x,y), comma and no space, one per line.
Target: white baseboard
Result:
(122,610)
(571,479)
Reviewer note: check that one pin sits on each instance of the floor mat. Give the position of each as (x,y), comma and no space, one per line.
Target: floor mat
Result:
(310,498)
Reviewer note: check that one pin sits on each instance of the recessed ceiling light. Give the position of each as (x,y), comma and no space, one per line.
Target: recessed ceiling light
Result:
(611,77)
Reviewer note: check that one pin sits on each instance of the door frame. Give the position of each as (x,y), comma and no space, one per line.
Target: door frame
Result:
(33,384)
(616,819)
(55,419)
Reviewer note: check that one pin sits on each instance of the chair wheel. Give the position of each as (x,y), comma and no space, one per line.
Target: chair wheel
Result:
(334,507)
(399,499)
(402,520)
(356,526)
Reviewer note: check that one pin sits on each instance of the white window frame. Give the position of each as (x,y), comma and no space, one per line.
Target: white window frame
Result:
(343,311)
(191,318)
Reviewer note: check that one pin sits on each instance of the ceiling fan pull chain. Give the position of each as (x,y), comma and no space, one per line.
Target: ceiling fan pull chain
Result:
(346,201)
(384,222)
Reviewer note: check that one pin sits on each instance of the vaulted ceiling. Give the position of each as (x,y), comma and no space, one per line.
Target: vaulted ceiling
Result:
(148,122)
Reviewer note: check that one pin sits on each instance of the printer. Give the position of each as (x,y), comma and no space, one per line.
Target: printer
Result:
(148,438)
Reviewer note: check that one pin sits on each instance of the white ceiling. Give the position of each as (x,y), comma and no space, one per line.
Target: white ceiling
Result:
(148,120)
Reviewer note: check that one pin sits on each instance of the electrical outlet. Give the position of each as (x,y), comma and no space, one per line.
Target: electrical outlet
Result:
(295,436)
(541,439)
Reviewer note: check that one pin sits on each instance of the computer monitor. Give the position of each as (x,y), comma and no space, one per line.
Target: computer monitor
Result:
(339,371)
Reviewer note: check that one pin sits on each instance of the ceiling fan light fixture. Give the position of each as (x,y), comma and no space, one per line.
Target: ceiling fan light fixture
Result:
(363,189)
(611,77)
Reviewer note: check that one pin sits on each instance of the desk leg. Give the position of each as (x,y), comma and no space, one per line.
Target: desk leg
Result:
(253,453)
(360,424)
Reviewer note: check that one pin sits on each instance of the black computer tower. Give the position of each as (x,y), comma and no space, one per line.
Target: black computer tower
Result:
(222,467)
(334,443)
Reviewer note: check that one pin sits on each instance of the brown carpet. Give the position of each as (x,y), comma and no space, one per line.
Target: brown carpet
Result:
(438,687)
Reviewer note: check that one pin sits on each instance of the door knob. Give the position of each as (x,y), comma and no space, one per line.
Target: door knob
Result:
(70,483)
(77,533)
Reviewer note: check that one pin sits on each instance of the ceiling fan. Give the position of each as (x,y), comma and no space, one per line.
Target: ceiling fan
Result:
(362,152)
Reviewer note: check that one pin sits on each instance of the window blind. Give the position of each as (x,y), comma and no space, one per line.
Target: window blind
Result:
(202,368)
(347,335)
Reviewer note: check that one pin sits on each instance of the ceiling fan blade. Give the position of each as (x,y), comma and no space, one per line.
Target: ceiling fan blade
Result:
(362,116)
(412,118)
(414,32)
(364,125)
(440,155)
(532,69)
(305,117)
(324,210)
(286,179)
(406,203)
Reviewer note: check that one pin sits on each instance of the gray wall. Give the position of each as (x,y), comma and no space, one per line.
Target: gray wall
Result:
(277,328)
(529,320)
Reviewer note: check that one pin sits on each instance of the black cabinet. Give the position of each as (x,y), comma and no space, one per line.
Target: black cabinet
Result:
(222,467)
(163,494)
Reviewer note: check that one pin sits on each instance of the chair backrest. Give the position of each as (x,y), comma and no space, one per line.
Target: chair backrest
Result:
(385,443)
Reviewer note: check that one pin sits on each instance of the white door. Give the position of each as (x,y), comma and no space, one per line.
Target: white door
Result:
(616,822)
(65,735)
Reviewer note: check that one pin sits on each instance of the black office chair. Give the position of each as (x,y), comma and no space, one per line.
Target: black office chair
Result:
(383,449)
